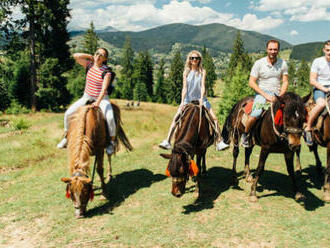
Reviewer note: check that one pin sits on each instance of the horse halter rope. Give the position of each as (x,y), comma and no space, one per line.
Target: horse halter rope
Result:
(287,130)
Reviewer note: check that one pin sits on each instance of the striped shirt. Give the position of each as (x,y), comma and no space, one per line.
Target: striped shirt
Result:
(94,81)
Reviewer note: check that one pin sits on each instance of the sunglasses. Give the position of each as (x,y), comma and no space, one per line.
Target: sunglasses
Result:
(194,58)
(100,54)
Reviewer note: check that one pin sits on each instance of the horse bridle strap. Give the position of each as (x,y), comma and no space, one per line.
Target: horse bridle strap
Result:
(178,179)
(292,130)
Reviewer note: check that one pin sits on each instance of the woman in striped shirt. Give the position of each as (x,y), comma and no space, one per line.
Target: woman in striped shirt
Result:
(95,89)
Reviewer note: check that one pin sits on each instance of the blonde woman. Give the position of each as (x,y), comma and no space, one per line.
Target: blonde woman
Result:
(193,90)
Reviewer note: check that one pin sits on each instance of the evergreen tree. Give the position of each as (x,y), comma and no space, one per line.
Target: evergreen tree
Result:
(126,80)
(235,91)
(211,76)
(160,88)
(149,74)
(44,36)
(141,76)
(303,87)
(292,76)
(175,79)
(90,42)
(239,55)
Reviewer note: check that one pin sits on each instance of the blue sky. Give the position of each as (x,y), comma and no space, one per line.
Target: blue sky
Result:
(296,21)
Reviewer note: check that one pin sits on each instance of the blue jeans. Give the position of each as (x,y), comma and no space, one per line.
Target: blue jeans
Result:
(319,93)
(259,104)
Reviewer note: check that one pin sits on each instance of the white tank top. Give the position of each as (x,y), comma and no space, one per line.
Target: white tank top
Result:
(194,82)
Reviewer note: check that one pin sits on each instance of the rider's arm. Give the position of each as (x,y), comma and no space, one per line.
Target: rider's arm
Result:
(83,58)
(285,84)
(105,85)
(184,87)
(203,87)
(313,82)
(253,84)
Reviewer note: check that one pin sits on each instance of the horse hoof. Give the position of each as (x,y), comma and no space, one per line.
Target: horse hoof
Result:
(299,197)
(253,198)
(326,196)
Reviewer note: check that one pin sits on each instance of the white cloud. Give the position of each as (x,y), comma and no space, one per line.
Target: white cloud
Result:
(302,10)
(293,33)
(143,15)
(251,22)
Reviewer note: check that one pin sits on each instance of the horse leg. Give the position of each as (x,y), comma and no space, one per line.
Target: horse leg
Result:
(247,173)
(198,177)
(234,173)
(326,187)
(317,159)
(110,168)
(298,164)
(260,170)
(100,169)
(203,164)
(289,156)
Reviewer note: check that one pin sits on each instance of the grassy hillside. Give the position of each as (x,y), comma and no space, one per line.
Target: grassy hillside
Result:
(307,51)
(140,211)
(217,37)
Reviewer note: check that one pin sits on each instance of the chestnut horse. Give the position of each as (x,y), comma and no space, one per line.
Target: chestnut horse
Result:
(88,135)
(321,136)
(194,135)
(271,138)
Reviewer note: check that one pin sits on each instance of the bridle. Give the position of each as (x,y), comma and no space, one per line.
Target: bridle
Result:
(286,130)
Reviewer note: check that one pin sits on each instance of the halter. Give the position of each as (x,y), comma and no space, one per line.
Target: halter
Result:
(287,130)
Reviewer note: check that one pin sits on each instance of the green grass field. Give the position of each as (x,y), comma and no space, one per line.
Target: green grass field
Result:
(140,210)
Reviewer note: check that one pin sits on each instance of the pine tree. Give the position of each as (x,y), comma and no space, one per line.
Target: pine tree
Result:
(175,79)
(149,74)
(126,79)
(211,76)
(239,55)
(90,42)
(141,76)
(292,76)
(160,88)
(303,87)
(234,92)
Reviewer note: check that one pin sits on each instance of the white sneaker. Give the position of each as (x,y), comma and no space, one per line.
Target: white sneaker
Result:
(165,145)
(220,146)
(110,148)
(62,143)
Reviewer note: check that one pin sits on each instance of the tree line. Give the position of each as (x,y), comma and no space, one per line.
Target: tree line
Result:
(38,72)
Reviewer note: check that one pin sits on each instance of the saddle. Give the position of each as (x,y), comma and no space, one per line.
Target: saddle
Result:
(247,109)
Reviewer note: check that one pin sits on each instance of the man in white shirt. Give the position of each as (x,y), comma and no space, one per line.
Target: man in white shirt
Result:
(320,79)
(265,79)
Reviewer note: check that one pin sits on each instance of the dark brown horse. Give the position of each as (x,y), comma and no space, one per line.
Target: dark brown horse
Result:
(272,139)
(193,136)
(87,135)
(321,136)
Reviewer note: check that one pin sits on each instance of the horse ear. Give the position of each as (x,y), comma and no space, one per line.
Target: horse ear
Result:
(166,156)
(280,99)
(306,98)
(66,179)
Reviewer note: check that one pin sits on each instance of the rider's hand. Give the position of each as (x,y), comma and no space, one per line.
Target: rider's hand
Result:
(328,90)
(270,98)
(95,104)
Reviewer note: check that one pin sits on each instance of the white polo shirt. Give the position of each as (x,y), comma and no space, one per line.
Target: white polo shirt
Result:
(269,76)
(322,67)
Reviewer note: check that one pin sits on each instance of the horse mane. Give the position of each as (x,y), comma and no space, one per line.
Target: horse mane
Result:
(292,102)
(80,145)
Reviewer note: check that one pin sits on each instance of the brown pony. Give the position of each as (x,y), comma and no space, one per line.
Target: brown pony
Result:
(88,135)
(321,136)
(281,139)
(193,136)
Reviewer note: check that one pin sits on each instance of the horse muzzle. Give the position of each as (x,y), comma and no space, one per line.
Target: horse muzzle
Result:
(178,186)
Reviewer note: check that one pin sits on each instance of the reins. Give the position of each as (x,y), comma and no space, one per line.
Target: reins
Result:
(93,174)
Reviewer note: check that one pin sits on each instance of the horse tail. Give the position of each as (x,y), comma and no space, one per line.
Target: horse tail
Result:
(82,144)
(120,133)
